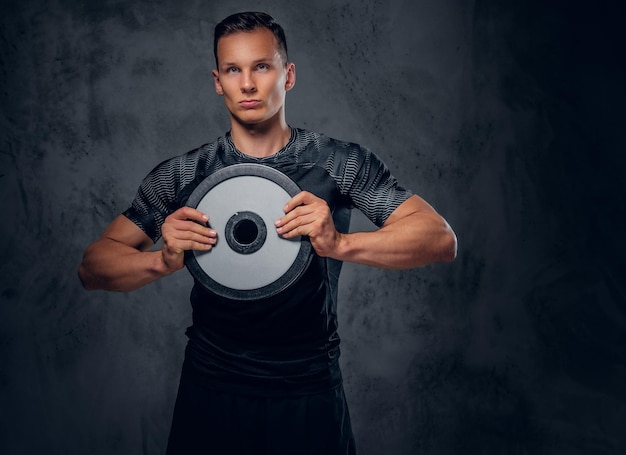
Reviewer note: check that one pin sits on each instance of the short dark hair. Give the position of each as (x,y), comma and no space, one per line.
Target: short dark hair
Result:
(247,22)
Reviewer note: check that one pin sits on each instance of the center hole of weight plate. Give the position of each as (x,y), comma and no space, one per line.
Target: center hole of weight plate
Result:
(245,232)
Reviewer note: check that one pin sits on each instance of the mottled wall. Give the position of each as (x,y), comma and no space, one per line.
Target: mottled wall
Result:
(506,116)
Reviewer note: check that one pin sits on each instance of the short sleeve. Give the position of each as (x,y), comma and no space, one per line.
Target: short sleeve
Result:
(370,185)
(156,198)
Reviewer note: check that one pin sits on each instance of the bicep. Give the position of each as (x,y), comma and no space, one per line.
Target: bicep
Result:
(414,205)
(124,231)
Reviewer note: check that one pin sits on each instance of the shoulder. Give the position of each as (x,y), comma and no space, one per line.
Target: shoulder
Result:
(189,162)
(305,137)
(317,147)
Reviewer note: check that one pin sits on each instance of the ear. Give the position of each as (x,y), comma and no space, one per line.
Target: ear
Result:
(216,80)
(290,80)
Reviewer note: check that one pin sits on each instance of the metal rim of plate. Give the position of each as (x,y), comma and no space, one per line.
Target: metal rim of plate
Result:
(244,240)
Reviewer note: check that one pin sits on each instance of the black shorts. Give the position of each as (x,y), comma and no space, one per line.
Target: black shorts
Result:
(211,422)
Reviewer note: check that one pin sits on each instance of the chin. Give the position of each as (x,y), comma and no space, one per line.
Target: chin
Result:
(250,119)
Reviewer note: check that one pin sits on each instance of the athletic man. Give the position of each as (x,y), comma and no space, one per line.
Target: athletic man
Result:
(263,377)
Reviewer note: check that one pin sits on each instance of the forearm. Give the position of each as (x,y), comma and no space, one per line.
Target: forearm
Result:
(413,241)
(113,266)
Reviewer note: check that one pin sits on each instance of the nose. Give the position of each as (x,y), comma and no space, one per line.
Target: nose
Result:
(247,82)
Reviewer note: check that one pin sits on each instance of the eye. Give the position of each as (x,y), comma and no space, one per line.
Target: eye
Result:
(232,69)
(263,67)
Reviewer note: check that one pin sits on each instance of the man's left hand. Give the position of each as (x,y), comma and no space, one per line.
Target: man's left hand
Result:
(307,214)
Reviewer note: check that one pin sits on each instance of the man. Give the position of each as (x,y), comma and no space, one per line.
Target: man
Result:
(263,377)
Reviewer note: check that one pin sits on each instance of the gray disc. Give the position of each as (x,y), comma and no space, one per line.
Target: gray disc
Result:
(250,260)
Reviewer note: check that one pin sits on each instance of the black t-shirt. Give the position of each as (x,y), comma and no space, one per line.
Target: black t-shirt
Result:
(288,343)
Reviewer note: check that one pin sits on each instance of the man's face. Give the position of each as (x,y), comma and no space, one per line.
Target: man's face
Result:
(252,77)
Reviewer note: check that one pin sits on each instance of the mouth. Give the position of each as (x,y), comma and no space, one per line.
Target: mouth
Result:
(249,104)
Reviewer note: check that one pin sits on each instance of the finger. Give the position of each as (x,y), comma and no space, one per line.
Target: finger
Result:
(189,213)
(302,198)
(209,237)
(300,211)
(187,235)
(188,225)
(188,241)
(198,246)
(302,225)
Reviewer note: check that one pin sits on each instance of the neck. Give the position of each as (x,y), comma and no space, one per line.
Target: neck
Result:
(260,140)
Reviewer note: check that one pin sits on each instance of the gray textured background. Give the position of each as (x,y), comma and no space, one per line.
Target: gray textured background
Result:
(506,116)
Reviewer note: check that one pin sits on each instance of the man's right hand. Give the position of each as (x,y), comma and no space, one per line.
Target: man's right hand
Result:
(185,229)
(122,260)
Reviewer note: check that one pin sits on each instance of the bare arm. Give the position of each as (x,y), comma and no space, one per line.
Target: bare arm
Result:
(414,235)
(120,261)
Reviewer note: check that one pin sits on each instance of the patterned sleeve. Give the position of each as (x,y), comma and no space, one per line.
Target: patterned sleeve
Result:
(156,198)
(370,185)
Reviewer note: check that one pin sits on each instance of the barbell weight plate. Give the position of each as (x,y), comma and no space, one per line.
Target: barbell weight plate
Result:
(250,260)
